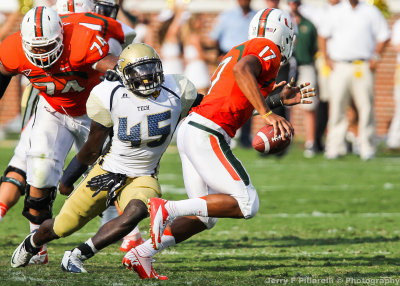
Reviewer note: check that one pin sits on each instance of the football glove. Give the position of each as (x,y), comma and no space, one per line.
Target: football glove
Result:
(111,75)
(109,182)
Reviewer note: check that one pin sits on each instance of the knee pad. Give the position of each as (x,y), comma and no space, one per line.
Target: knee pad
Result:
(39,204)
(209,222)
(20,185)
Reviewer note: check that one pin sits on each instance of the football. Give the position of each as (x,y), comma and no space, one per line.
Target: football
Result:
(265,142)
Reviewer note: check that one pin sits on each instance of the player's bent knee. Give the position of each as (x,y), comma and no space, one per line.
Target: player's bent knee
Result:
(135,211)
(209,222)
(44,205)
(20,185)
(66,223)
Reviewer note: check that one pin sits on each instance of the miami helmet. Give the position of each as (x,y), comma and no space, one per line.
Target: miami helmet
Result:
(42,36)
(74,6)
(108,8)
(141,70)
(275,25)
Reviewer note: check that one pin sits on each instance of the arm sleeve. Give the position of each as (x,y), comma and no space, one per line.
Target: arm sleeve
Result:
(10,53)
(96,108)
(91,47)
(189,95)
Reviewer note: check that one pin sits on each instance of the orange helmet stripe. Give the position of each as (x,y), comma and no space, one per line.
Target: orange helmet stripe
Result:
(263,21)
(38,21)
(71,6)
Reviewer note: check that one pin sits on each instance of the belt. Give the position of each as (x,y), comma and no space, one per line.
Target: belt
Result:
(353,61)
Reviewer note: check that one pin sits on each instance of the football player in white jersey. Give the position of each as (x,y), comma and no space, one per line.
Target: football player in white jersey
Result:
(142,109)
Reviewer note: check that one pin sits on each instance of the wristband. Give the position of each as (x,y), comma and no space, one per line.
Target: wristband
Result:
(74,170)
(267,114)
(274,101)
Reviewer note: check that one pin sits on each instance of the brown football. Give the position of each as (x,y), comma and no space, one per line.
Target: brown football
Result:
(265,142)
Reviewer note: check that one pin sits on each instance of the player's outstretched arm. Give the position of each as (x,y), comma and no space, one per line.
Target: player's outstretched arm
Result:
(246,72)
(106,63)
(88,154)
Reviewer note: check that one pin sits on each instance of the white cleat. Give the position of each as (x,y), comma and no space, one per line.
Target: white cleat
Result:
(21,256)
(73,262)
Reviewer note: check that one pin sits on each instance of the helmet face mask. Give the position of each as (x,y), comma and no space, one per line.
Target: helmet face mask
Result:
(42,36)
(74,6)
(275,25)
(141,70)
(108,8)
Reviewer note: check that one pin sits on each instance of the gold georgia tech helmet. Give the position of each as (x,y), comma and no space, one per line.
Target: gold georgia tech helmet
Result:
(141,70)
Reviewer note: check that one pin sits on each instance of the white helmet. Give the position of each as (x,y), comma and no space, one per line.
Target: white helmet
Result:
(74,6)
(108,8)
(42,36)
(275,25)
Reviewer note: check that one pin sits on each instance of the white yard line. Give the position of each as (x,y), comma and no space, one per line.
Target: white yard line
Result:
(318,214)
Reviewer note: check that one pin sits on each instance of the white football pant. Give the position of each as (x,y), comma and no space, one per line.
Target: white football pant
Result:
(209,165)
(51,139)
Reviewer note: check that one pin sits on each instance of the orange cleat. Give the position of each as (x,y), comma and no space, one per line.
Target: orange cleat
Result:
(143,266)
(159,219)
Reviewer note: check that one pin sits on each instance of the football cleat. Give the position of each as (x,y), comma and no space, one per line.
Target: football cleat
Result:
(159,219)
(141,265)
(73,262)
(41,257)
(21,255)
(130,242)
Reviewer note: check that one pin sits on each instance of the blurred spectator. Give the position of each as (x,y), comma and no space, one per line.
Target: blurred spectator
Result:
(232,26)
(358,33)
(393,137)
(230,30)
(319,18)
(141,26)
(169,39)
(305,50)
(196,69)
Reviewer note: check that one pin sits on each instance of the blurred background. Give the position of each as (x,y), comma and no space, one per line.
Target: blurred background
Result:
(194,23)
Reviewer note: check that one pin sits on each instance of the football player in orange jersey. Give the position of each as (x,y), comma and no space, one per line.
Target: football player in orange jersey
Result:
(215,180)
(14,176)
(63,63)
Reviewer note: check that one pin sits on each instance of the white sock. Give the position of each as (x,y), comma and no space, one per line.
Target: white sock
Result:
(34,244)
(135,233)
(196,206)
(146,249)
(91,245)
(33,227)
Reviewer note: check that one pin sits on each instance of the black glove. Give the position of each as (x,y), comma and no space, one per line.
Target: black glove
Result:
(111,75)
(109,182)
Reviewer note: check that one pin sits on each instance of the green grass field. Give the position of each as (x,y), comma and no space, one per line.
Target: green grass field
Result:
(334,220)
